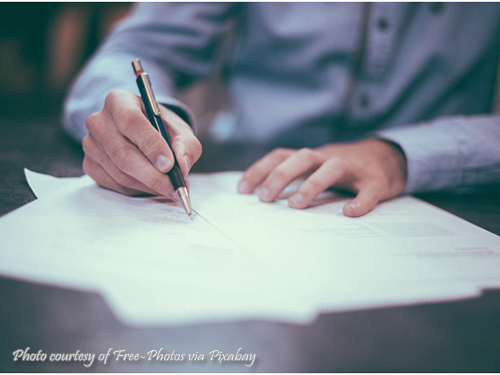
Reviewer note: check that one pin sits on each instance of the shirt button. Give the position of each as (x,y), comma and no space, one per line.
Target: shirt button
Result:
(382,24)
(364,100)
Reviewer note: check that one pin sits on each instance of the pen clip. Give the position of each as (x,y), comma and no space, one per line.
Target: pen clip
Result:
(148,86)
(150,94)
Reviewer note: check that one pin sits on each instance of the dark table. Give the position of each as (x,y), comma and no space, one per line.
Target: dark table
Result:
(440,337)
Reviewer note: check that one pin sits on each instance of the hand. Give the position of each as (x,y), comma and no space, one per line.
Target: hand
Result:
(125,153)
(373,169)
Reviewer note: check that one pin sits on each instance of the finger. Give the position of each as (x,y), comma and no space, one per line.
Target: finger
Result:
(186,146)
(103,179)
(258,171)
(126,156)
(298,164)
(366,200)
(331,172)
(95,152)
(126,112)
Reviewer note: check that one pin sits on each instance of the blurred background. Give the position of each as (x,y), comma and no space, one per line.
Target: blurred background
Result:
(42,46)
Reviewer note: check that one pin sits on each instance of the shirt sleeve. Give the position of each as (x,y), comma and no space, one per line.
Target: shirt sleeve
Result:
(175,43)
(459,154)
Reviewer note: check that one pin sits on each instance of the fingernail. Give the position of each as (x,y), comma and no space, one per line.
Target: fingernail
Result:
(243,187)
(264,194)
(163,163)
(296,200)
(351,208)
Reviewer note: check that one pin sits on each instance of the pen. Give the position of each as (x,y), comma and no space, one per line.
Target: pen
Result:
(153,112)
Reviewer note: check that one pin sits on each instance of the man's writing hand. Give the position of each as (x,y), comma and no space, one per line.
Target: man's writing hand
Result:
(125,153)
(373,169)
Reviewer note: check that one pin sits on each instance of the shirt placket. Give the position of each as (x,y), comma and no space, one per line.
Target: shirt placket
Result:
(384,22)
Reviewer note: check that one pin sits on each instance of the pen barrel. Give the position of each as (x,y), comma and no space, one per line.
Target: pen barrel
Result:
(175,173)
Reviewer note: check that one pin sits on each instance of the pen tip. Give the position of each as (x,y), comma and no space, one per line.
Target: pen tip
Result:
(183,195)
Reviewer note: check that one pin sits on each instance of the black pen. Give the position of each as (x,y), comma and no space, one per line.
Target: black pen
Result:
(153,112)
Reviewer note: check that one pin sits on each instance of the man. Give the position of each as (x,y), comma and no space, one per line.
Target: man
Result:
(378,99)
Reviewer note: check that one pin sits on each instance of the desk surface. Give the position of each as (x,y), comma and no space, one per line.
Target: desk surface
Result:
(445,337)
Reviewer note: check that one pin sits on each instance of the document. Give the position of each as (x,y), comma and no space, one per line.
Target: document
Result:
(240,258)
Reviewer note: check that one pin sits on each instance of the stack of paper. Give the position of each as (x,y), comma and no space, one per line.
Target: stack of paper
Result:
(240,258)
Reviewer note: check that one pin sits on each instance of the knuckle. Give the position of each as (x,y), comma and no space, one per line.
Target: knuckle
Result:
(87,166)
(197,148)
(307,155)
(314,184)
(126,127)
(122,112)
(122,158)
(336,163)
(92,121)
(278,174)
(280,152)
(150,143)
(112,98)
(133,114)
(130,120)
(86,144)
(179,145)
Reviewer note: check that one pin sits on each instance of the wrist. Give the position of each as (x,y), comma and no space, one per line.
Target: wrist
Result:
(396,161)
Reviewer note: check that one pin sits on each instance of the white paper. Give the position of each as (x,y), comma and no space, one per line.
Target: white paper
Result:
(44,184)
(241,259)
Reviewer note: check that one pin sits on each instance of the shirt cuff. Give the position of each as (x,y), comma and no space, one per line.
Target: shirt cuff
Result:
(432,160)
(181,110)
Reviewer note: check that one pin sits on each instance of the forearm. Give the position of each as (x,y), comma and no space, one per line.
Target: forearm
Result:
(176,44)
(108,72)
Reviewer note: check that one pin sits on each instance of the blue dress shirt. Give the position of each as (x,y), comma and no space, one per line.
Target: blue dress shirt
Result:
(305,74)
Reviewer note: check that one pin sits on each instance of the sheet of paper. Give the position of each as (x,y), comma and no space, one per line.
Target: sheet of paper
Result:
(241,259)
(44,184)
(135,249)
(405,249)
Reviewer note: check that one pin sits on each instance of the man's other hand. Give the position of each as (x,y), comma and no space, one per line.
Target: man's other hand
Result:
(375,170)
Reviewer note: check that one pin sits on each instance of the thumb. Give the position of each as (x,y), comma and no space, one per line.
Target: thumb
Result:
(365,201)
